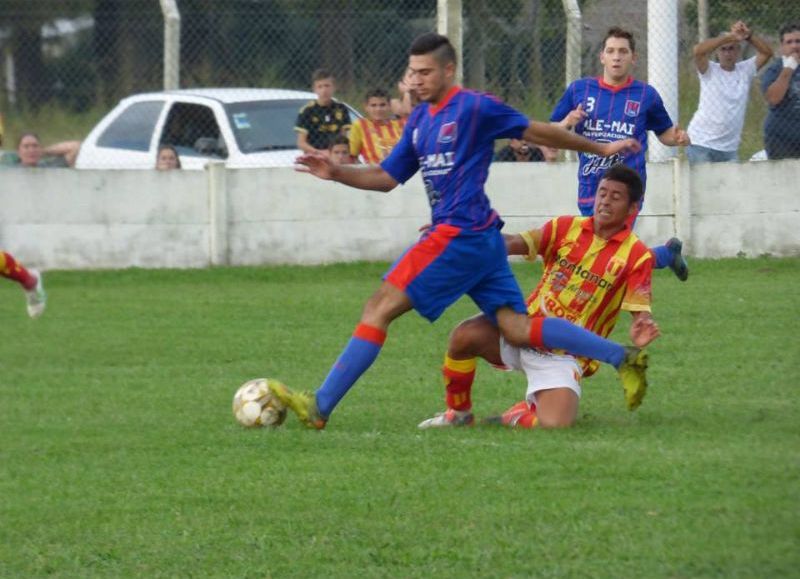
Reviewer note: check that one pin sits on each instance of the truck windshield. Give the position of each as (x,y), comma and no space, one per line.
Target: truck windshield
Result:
(265,125)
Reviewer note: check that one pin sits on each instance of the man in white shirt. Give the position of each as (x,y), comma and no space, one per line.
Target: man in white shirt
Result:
(716,127)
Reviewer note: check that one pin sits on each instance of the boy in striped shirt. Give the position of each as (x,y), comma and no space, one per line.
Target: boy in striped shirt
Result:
(594,267)
(374,137)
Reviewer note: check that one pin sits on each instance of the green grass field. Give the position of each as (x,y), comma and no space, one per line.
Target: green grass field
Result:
(119,456)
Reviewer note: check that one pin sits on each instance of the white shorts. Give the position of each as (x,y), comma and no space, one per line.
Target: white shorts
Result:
(544,370)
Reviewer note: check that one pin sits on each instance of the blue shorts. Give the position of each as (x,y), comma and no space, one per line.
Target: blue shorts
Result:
(448,262)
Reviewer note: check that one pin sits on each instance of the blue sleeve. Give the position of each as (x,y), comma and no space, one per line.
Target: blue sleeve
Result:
(402,162)
(564,105)
(658,119)
(500,121)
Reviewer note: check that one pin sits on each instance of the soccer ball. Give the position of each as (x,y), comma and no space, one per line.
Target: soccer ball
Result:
(254,404)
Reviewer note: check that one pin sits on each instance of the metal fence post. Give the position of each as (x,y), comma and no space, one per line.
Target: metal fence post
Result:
(572,65)
(172,44)
(662,63)
(574,40)
(450,22)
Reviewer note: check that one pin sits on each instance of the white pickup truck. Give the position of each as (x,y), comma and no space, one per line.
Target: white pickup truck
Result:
(241,126)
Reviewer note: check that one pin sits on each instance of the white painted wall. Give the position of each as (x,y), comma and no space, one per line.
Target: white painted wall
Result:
(66,219)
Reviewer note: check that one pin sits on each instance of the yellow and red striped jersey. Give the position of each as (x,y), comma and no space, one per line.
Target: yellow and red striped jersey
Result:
(374,140)
(587,279)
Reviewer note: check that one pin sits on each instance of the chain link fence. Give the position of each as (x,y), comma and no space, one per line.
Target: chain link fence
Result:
(68,62)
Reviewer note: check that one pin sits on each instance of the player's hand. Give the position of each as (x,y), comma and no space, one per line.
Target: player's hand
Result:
(790,62)
(740,30)
(644,330)
(575,116)
(682,137)
(623,146)
(317,163)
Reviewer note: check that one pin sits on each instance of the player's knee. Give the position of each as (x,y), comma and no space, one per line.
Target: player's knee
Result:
(384,306)
(515,329)
(462,340)
(556,421)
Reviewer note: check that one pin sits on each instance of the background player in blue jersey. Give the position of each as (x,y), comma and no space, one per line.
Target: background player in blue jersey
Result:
(612,107)
(449,138)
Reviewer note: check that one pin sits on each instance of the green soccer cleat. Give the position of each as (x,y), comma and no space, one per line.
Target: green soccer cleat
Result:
(678,264)
(303,404)
(632,373)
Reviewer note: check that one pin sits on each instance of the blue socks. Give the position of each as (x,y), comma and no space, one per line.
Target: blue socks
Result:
(663,256)
(561,334)
(359,354)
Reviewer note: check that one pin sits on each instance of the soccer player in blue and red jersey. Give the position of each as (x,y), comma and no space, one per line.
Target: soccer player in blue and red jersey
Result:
(450,137)
(613,107)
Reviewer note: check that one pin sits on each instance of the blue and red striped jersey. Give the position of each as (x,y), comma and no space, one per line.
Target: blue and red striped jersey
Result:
(452,145)
(613,113)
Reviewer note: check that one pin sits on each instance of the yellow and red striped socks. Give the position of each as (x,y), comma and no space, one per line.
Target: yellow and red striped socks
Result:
(458,378)
(14,270)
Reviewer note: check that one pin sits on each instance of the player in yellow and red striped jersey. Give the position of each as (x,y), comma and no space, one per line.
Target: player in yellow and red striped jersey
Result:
(29,279)
(594,267)
(373,138)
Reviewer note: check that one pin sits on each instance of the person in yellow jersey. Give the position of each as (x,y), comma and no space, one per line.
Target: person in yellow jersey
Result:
(594,267)
(373,138)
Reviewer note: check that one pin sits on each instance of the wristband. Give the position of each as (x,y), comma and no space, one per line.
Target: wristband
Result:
(790,62)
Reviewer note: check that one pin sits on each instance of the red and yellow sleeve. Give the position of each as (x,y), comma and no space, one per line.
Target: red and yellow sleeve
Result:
(356,139)
(638,295)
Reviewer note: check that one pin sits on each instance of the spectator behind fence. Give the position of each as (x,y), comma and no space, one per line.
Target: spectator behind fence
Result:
(374,137)
(339,150)
(521,151)
(402,107)
(716,127)
(322,118)
(167,158)
(30,153)
(781,86)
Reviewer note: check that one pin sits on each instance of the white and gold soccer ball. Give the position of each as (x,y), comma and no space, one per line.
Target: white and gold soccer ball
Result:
(254,405)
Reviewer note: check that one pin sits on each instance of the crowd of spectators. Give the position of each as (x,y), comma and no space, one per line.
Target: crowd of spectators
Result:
(715,129)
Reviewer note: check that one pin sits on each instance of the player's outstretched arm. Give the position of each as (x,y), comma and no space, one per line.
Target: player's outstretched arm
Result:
(644,329)
(369,177)
(554,136)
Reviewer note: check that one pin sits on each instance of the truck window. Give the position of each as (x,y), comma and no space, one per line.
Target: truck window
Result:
(193,130)
(134,128)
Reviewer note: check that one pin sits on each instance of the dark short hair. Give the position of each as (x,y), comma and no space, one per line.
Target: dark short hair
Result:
(338,140)
(28,134)
(788,28)
(377,93)
(435,44)
(320,74)
(617,32)
(630,178)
